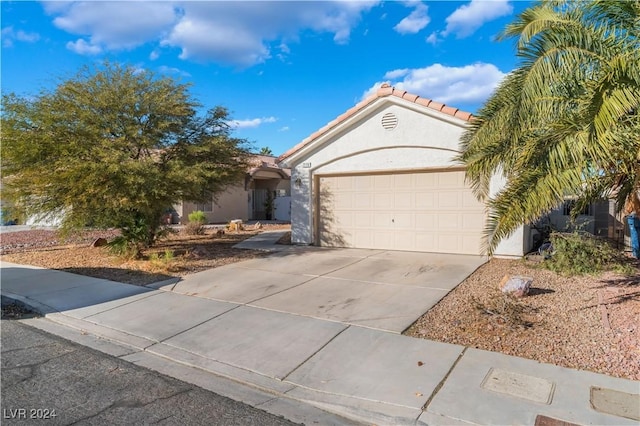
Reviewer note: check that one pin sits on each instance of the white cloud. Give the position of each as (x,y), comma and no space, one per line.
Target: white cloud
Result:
(432,38)
(237,33)
(450,85)
(9,35)
(466,19)
(171,70)
(284,129)
(415,22)
(114,25)
(240,33)
(392,75)
(154,55)
(81,47)
(251,122)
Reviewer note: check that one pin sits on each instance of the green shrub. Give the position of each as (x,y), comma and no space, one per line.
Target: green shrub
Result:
(195,226)
(581,253)
(135,237)
(198,216)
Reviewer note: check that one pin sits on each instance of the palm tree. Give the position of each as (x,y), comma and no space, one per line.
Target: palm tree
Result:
(265,151)
(566,121)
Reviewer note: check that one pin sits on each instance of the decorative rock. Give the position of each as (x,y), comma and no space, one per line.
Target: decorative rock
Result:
(258,225)
(219,232)
(516,286)
(198,253)
(235,225)
(99,242)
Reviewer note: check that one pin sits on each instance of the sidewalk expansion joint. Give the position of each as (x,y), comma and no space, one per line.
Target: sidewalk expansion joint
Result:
(284,378)
(150,294)
(444,379)
(281,291)
(198,324)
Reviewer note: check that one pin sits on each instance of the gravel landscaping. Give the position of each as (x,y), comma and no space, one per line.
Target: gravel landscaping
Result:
(584,322)
(176,256)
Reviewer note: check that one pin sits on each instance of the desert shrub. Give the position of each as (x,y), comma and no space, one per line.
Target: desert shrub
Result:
(580,253)
(163,262)
(135,236)
(198,216)
(195,226)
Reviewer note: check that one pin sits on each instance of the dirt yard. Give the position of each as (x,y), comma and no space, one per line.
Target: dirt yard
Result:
(176,256)
(590,323)
(587,322)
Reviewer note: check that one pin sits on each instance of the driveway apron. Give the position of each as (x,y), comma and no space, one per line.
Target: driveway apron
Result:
(385,290)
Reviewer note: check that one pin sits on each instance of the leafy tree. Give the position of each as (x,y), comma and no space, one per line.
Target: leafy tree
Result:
(115,147)
(265,151)
(566,120)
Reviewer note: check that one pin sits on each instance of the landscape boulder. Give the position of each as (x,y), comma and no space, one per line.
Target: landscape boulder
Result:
(99,242)
(516,286)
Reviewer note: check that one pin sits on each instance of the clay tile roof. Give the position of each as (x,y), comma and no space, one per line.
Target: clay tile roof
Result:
(384,91)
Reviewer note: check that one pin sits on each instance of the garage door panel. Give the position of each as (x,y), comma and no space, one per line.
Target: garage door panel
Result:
(414,211)
(382,182)
(363,238)
(451,200)
(382,238)
(449,222)
(383,200)
(363,201)
(404,240)
(449,180)
(426,240)
(472,241)
(403,200)
(426,221)
(403,182)
(345,184)
(425,200)
(472,222)
(347,220)
(403,221)
(426,181)
(363,183)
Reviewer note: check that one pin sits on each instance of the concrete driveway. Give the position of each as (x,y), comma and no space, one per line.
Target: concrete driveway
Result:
(384,290)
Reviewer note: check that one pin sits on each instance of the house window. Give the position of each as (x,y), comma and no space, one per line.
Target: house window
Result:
(570,205)
(205,207)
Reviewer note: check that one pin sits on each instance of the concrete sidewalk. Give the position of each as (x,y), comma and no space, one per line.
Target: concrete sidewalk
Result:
(312,370)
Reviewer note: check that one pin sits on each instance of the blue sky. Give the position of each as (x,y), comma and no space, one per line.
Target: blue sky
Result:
(283,69)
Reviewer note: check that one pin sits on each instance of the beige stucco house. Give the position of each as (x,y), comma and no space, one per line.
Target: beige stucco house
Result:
(247,200)
(383,175)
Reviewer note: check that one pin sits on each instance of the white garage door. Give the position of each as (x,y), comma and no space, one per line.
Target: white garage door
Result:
(431,211)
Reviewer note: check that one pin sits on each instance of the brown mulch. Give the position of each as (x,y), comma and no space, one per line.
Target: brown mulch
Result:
(586,322)
(186,254)
(15,242)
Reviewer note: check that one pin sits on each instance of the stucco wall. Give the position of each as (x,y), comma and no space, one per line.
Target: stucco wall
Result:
(421,141)
(519,242)
(230,204)
(418,142)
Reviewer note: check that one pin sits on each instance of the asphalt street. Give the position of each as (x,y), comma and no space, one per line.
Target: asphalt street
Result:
(49,380)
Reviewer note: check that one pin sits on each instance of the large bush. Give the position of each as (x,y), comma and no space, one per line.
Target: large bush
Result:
(581,253)
(113,147)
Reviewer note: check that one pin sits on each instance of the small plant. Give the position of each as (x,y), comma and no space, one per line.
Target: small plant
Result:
(579,253)
(162,261)
(197,219)
(506,310)
(198,216)
(269,205)
(135,237)
(168,255)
